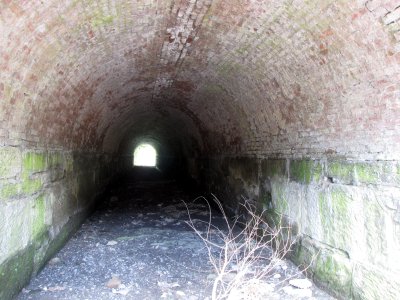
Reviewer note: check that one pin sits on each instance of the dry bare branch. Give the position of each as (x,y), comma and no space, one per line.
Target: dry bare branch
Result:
(244,250)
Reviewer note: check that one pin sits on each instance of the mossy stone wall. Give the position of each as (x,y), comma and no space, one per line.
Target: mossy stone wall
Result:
(44,196)
(346,214)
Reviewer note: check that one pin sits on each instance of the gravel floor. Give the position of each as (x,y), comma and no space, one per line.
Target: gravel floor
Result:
(138,246)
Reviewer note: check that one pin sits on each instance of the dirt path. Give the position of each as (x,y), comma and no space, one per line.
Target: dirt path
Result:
(137,246)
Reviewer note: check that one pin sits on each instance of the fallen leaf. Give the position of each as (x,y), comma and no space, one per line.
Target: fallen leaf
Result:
(54,261)
(301,283)
(113,283)
(56,288)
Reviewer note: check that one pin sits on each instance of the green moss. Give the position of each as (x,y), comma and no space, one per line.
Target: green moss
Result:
(324,212)
(335,216)
(324,268)
(349,172)
(278,191)
(69,164)
(304,255)
(34,162)
(273,218)
(266,201)
(341,171)
(282,204)
(31,186)
(213,89)
(318,171)
(273,167)
(15,273)
(229,69)
(243,49)
(334,272)
(28,186)
(301,170)
(339,202)
(367,173)
(100,19)
(10,191)
(300,255)
(38,222)
(55,160)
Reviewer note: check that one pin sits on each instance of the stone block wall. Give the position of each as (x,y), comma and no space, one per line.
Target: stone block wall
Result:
(346,215)
(44,197)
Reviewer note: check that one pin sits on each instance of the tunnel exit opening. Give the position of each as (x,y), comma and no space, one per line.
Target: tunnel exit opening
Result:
(145,156)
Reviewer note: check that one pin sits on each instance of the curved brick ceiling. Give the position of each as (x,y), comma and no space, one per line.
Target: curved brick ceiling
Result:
(254,77)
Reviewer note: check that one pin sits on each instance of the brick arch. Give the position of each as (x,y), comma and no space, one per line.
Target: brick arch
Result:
(290,73)
(292,103)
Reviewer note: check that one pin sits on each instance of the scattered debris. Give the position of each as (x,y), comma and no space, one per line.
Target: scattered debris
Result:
(112,243)
(301,283)
(122,290)
(254,289)
(56,288)
(113,283)
(289,290)
(54,261)
(157,252)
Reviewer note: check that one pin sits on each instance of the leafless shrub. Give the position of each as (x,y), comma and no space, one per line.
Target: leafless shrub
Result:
(243,251)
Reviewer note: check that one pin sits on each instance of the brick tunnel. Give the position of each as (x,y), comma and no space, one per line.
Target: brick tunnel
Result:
(294,104)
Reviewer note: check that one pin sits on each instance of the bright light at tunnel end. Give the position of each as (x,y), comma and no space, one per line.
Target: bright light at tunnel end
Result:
(145,156)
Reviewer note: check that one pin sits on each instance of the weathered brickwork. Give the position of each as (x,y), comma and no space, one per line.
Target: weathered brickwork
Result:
(281,78)
(293,103)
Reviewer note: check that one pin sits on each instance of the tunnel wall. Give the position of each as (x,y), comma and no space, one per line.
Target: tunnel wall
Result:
(45,195)
(346,215)
(282,79)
